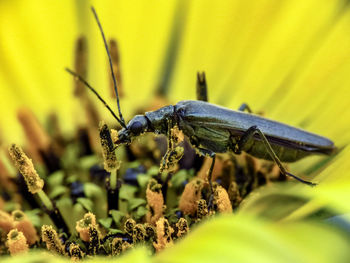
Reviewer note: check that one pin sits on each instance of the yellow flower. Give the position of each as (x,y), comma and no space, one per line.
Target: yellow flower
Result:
(289,59)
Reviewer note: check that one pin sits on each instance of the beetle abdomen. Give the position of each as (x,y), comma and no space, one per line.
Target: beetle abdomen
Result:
(285,154)
(215,126)
(206,114)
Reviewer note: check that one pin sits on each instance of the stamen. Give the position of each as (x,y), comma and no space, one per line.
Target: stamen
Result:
(150,232)
(35,184)
(111,163)
(82,226)
(75,252)
(117,246)
(164,234)
(181,227)
(16,242)
(221,200)
(155,201)
(190,196)
(50,237)
(202,209)
(129,226)
(139,233)
(26,168)
(23,224)
(94,241)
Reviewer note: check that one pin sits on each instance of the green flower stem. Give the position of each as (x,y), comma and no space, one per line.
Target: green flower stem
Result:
(113,179)
(53,212)
(46,200)
(113,186)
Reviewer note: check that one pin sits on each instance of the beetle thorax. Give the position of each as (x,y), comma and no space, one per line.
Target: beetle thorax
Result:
(159,119)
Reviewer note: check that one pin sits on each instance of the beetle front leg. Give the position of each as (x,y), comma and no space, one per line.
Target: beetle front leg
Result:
(174,153)
(172,156)
(247,138)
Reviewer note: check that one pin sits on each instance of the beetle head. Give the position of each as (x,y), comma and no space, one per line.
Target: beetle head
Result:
(135,127)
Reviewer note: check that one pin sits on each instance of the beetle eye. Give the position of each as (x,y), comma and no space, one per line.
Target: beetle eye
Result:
(136,127)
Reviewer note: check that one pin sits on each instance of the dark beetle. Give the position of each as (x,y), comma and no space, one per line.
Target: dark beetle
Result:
(213,129)
(218,129)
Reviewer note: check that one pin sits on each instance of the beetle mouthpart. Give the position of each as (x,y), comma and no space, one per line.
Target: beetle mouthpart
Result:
(123,137)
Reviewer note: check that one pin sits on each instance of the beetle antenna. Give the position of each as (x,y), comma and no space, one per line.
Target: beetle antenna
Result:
(81,79)
(110,64)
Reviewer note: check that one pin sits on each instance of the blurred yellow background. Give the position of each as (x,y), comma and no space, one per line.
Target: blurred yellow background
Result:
(288,58)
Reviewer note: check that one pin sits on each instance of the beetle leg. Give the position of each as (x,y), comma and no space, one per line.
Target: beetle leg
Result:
(163,162)
(173,154)
(202,91)
(195,142)
(211,154)
(170,137)
(247,137)
(244,107)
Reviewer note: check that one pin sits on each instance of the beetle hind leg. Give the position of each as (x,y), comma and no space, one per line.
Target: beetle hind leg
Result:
(245,107)
(202,88)
(248,137)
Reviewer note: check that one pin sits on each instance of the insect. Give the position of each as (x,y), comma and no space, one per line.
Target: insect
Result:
(213,129)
